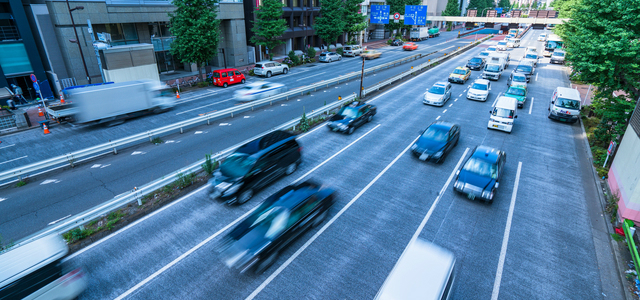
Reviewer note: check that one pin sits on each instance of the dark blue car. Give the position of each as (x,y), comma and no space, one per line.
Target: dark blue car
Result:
(351,117)
(480,174)
(436,141)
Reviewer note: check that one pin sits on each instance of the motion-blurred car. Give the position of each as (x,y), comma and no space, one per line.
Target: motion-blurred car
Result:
(502,46)
(268,68)
(397,42)
(438,94)
(329,57)
(255,165)
(352,116)
(371,54)
(479,90)
(460,75)
(517,79)
(410,46)
(257,241)
(259,90)
(533,57)
(519,93)
(476,63)
(480,174)
(436,141)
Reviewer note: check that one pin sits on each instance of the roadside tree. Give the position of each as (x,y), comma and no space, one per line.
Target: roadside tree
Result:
(452,10)
(354,21)
(331,23)
(269,25)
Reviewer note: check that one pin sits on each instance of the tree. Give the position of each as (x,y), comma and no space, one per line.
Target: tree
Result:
(481,5)
(397,6)
(504,4)
(354,21)
(269,25)
(197,31)
(452,10)
(331,24)
(544,6)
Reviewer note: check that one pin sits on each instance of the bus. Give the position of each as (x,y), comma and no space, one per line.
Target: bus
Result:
(552,43)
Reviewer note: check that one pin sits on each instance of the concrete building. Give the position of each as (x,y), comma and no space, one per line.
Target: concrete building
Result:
(624,174)
(377,31)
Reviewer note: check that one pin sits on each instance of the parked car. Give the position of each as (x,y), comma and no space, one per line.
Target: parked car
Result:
(329,57)
(352,50)
(460,75)
(557,57)
(268,68)
(517,79)
(226,77)
(479,90)
(410,46)
(397,42)
(476,63)
(255,165)
(436,141)
(480,174)
(438,94)
(371,54)
(259,90)
(352,116)
(257,241)
(519,93)
(533,57)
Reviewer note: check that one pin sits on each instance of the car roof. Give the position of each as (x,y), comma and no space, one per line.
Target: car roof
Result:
(565,92)
(441,83)
(462,68)
(266,61)
(276,137)
(225,70)
(290,196)
(559,50)
(483,81)
(442,125)
(486,153)
(526,62)
(518,74)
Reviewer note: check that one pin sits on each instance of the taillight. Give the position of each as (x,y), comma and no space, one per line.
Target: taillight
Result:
(299,149)
(72,276)
(262,67)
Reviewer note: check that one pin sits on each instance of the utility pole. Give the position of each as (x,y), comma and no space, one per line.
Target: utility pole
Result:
(361,77)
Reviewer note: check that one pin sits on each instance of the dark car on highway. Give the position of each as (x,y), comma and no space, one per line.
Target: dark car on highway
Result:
(436,141)
(255,165)
(352,116)
(257,240)
(476,63)
(397,42)
(480,174)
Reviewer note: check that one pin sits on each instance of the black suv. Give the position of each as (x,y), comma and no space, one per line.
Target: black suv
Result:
(352,116)
(254,165)
(476,63)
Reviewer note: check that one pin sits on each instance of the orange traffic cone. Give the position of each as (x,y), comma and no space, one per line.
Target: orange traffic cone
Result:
(61,98)
(46,129)
(40,113)
(177,95)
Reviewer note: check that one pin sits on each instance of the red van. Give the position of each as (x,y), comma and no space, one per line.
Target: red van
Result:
(226,77)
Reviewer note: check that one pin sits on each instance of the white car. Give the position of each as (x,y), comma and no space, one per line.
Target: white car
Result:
(542,37)
(492,49)
(268,68)
(259,90)
(479,90)
(531,49)
(502,46)
(533,57)
(438,94)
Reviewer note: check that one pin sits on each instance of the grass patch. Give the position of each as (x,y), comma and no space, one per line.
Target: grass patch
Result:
(616,237)
(612,206)
(21,183)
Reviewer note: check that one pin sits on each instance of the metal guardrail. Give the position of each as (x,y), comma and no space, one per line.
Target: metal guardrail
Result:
(626,224)
(137,193)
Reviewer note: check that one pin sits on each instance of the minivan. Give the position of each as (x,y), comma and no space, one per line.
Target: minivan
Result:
(34,271)
(503,114)
(513,43)
(226,77)
(255,165)
(565,105)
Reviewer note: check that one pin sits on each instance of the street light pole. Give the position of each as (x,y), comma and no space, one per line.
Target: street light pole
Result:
(84,63)
(361,78)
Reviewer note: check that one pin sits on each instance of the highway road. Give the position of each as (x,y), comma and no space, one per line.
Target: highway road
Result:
(55,195)
(541,238)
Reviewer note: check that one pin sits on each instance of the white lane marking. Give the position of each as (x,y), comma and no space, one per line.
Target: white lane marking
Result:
(460,95)
(334,155)
(50,181)
(303,78)
(505,239)
(200,96)
(189,110)
(199,132)
(444,111)
(7,146)
(438,118)
(2,199)
(284,104)
(531,105)
(450,105)
(96,166)
(315,236)
(58,220)
(225,124)
(13,159)
(536,76)
(494,101)
(248,117)
(169,142)
(104,166)
(138,153)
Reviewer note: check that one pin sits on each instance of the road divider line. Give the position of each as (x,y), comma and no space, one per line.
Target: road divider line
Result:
(536,76)
(7,146)
(303,78)
(13,159)
(438,118)
(531,105)
(186,111)
(444,111)
(329,223)
(505,239)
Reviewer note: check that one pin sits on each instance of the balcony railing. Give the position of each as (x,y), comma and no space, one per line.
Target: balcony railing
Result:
(9,33)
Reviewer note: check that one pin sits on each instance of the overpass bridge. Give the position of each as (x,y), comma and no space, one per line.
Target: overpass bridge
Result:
(494,20)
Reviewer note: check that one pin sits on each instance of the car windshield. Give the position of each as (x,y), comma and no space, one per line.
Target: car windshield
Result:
(437,90)
(515,91)
(567,103)
(459,72)
(524,69)
(491,49)
(349,112)
(323,54)
(274,220)
(479,86)
(258,66)
(519,78)
(502,113)
(558,54)
(476,60)
(435,134)
(484,54)
(481,167)
(237,165)
(493,68)
(531,56)
(502,43)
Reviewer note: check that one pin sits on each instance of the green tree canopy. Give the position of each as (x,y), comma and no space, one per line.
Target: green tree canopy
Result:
(397,6)
(480,5)
(331,23)
(504,4)
(196,29)
(452,10)
(354,21)
(269,25)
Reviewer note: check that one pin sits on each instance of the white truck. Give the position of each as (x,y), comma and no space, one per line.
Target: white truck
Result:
(112,103)
(492,71)
(502,58)
(419,33)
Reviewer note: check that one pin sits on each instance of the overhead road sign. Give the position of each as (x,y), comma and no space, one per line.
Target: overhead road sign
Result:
(380,14)
(415,15)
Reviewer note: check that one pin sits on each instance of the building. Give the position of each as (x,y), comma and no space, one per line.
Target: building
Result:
(378,31)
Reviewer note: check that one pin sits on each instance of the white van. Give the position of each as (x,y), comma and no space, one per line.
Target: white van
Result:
(34,271)
(565,105)
(503,114)
(424,271)
(513,43)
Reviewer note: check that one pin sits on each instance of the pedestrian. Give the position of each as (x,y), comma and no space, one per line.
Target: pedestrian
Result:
(18,91)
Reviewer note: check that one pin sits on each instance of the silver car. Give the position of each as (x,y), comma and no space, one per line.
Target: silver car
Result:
(259,90)
(557,57)
(329,57)
(438,94)
(352,50)
(268,68)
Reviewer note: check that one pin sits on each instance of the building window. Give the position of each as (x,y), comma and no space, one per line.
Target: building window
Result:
(316,3)
(121,33)
(284,3)
(296,3)
(14,59)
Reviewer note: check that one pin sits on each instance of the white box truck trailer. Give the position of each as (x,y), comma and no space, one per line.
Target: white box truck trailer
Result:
(419,34)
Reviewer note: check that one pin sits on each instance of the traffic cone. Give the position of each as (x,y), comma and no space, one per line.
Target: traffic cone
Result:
(40,113)
(46,129)
(61,98)
(177,95)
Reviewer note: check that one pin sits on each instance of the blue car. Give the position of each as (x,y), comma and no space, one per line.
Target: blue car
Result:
(436,141)
(480,174)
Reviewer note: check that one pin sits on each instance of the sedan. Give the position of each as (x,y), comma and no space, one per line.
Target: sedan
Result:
(519,93)
(502,46)
(410,46)
(517,79)
(460,75)
(371,54)
(436,141)
(259,90)
(438,94)
(329,57)
(476,63)
(533,57)
(480,174)
(257,241)
(479,90)
(397,42)
(352,116)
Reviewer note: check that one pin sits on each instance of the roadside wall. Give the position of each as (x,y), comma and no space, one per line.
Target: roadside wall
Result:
(624,176)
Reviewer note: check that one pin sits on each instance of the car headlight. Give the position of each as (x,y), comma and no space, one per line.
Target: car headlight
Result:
(438,154)
(414,146)
(342,126)
(458,184)
(232,190)
(487,194)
